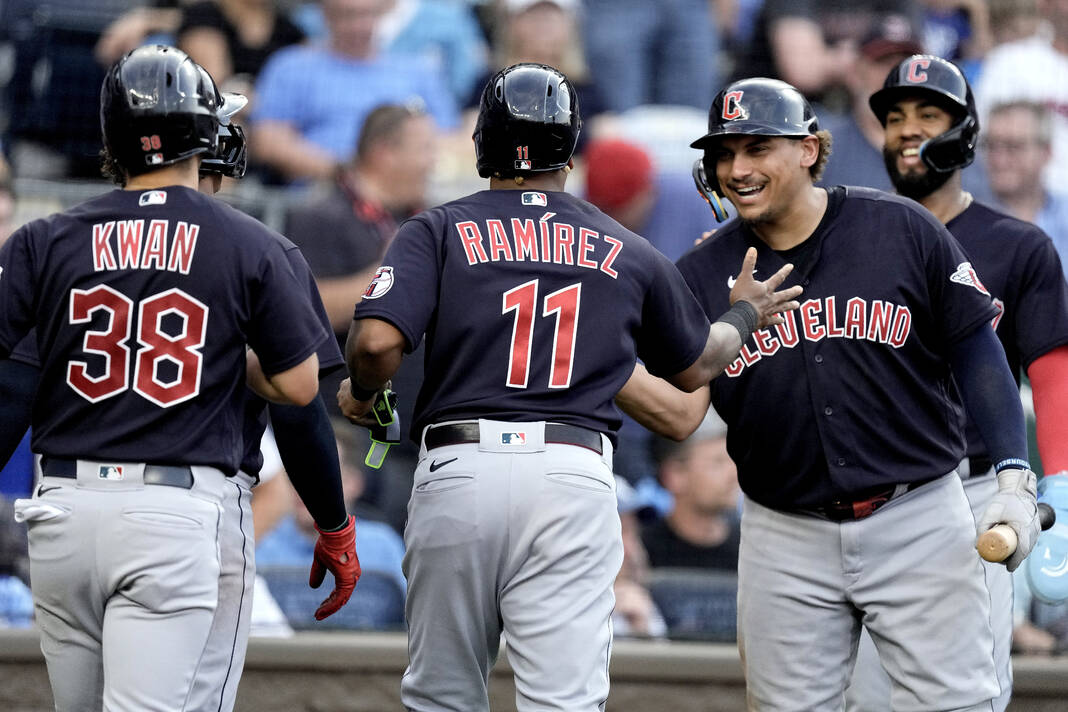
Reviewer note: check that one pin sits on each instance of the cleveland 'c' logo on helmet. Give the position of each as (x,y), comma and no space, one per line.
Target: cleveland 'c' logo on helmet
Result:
(914,72)
(732,106)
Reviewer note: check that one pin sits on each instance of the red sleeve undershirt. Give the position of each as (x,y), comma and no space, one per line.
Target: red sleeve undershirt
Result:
(1049,386)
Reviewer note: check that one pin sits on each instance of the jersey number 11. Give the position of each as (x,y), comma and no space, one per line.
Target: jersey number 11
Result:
(564,304)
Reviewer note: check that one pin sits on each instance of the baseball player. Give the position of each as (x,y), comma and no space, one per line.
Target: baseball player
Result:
(928,111)
(144,300)
(534,305)
(846,427)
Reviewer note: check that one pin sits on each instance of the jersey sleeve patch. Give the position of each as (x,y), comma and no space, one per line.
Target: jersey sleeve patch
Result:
(382,283)
(965,274)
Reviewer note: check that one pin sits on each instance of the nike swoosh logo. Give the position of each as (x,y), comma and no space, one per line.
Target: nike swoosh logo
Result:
(435,466)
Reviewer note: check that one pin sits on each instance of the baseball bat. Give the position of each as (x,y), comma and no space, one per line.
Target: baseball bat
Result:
(997,543)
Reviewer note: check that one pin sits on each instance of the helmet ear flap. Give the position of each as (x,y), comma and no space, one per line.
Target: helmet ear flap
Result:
(708,191)
(953,149)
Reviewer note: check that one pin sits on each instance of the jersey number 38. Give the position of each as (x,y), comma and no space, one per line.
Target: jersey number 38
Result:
(157,346)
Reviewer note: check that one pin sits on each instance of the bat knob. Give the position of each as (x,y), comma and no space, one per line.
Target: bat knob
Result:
(1046,515)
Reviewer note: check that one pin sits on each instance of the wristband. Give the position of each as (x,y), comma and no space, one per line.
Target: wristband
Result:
(336,529)
(743,317)
(1012,462)
(359,393)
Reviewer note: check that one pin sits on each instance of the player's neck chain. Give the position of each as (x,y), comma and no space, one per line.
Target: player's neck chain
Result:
(966,199)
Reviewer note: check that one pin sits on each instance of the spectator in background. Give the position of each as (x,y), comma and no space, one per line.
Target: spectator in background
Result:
(702,530)
(53,95)
(1017,142)
(958,30)
(635,614)
(446,34)
(663,208)
(544,32)
(343,235)
(1034,69)
(1012,20)
(292,540)
(311,101)
(654,51)
(813,44)
(857,154)
(233,39)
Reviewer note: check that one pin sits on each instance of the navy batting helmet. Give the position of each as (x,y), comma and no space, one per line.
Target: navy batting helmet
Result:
(157,107)
(759,107)
(528,122)
(941,80)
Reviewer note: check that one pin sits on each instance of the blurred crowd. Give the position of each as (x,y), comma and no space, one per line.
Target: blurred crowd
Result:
(361,114)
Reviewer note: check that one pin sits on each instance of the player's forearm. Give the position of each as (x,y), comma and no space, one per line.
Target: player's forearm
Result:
(722,347)
(1049,386)
(373,352)
(283,148)
(295,386)
(990,393)
(308,449)
(660,407)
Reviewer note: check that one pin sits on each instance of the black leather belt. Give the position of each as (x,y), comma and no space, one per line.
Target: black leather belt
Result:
(842,511)
(555,433)
(169,475)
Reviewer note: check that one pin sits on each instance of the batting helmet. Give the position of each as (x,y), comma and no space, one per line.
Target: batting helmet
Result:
(157,107)
(941,80)
(231,156)
(528,122)
(759,107)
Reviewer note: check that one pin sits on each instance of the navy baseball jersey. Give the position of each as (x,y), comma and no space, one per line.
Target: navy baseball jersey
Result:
(1020,268)
(330,359)
(144,303)
(548,302)
(853,391)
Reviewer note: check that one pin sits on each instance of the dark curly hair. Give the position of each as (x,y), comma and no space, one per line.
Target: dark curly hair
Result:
(111,169)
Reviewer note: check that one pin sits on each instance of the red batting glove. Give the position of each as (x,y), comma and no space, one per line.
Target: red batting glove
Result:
(335,552)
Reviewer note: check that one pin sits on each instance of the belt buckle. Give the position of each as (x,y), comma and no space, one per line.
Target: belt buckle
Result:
(866,507)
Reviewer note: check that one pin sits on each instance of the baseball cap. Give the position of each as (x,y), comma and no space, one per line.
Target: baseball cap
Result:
(518,6)
(616,171)
(890,34)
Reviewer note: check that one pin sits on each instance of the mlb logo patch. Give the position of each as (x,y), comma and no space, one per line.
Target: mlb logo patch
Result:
(155,159)
(152,197)
(531,198)
(967,276)
(111,472)
(522,165)
(513,438)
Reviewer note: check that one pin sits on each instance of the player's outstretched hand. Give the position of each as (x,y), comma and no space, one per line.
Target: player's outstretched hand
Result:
(1048,563)
(762,295)
(357,411)
(335,552)
(1015,505)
